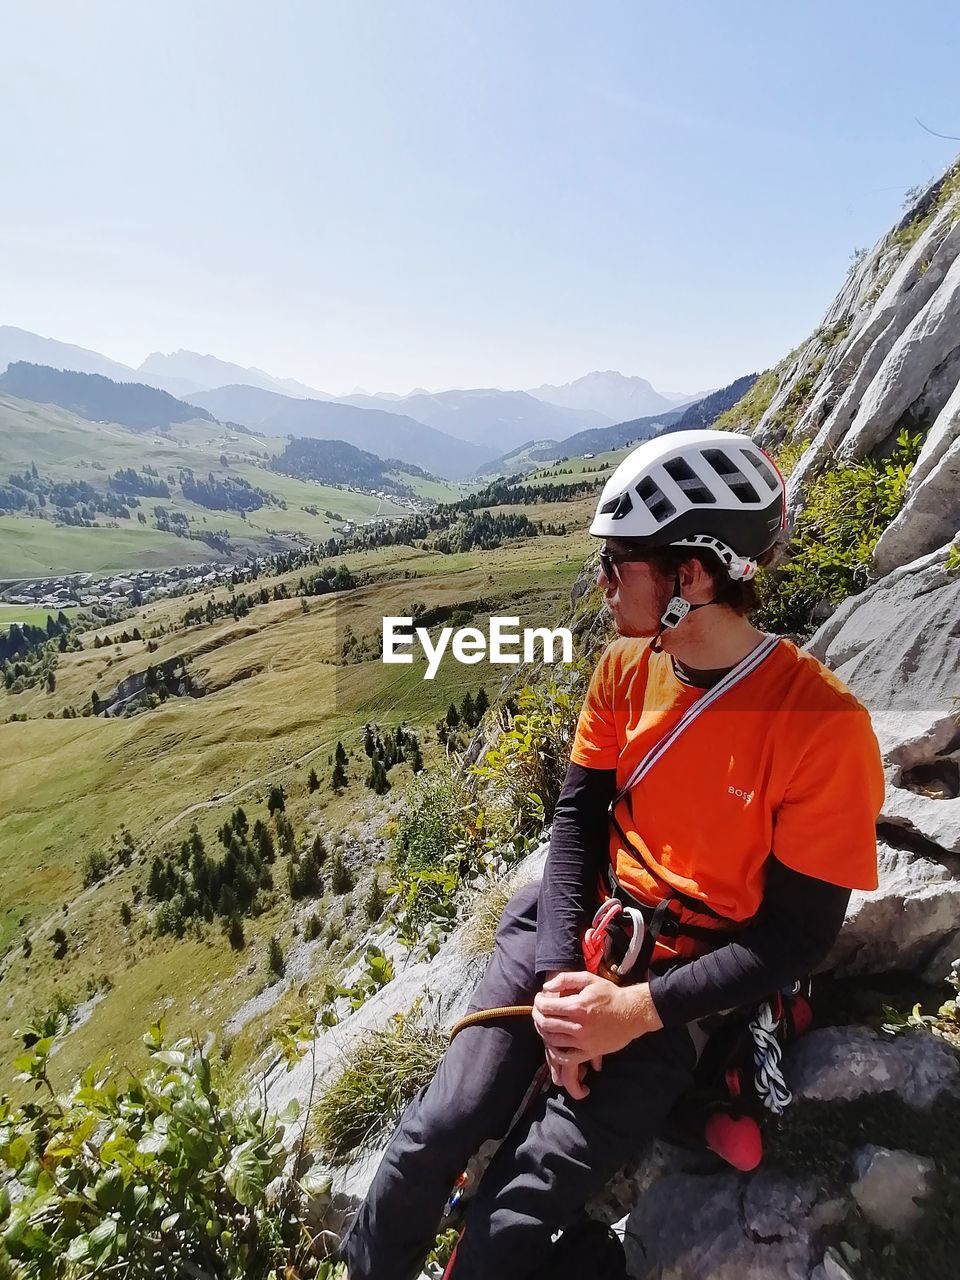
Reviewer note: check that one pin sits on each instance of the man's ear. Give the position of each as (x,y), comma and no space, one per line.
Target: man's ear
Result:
(695,580)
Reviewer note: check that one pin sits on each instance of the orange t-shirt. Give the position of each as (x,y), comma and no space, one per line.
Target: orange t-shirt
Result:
(786,762)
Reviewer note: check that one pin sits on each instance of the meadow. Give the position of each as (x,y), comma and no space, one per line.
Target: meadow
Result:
(277,698)
(66,447)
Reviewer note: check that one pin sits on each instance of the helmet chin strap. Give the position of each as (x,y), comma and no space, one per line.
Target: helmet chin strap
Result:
(675,612)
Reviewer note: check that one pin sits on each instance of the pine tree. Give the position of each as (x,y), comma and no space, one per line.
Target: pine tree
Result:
(235,933)
(480,704)
(126,915)
(264,842)
(277,801)
(375,902)
(312,928)
(285,833)
(313,782)
(416,757)
(453,716)
(341,877)
(369,740)
(340,755)
(156,885)
(467,711)
(319,849)
(227,902)
(339,779)
(59,941)
(275,959)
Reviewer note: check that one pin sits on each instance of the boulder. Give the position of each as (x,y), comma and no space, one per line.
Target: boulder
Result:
(890,1187)
(896,646)
(840,1064)
(910,922)
(766,1227)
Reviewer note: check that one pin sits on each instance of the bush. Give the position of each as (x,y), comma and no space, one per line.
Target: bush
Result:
(524,769)
(275,960)
(382,1073)
(95,867)
(313,928)
(846,511)
(147,1174)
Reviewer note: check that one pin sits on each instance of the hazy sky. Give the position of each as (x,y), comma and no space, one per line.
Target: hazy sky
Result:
(458,192)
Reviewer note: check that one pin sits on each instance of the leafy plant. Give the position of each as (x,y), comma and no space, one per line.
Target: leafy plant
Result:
(377,972)
(846,511)
(524,769)
(944,1023)
(435,845)
(155,1176)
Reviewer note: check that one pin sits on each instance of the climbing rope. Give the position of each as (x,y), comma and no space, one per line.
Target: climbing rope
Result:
(490,1015)
(770,1085)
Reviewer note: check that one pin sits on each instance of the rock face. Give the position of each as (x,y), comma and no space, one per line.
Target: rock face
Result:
(887,357)
(897,647)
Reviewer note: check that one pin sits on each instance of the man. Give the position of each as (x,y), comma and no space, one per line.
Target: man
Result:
(722,783)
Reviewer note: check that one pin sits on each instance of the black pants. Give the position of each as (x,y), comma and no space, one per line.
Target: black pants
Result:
(556,1155)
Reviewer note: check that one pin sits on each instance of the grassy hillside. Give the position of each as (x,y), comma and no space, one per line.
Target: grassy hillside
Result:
(64,447)
(277,696)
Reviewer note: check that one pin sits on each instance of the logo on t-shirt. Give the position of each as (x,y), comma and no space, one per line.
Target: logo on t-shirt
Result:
(745,796)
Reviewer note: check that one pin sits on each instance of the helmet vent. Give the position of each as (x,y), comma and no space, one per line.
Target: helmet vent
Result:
(763,467)
(618,507)
(655,500)
(687,479)
(727,469)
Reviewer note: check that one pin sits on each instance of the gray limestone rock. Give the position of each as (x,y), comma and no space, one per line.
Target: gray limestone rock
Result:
(910,922)
(897,647)
(891,1186)
(839,1064)
(724,1226)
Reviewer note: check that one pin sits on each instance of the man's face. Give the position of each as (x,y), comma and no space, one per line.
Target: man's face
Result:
(634,593)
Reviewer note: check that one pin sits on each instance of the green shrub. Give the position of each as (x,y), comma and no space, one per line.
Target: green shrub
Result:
(154,1176)
(382,1073)
(846,511)
(95,867)
(524,770)
(275,961)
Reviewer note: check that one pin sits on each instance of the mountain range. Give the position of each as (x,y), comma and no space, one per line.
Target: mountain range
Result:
(613,394)
(490,419)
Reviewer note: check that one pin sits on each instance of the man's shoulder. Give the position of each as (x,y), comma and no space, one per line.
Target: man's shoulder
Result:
(813,685)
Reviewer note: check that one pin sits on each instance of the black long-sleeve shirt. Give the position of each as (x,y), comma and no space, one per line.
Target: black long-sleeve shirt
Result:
(799,916)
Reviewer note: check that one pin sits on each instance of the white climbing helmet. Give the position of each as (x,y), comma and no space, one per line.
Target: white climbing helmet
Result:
(709,489)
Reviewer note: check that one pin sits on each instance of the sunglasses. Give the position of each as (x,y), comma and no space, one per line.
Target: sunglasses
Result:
(610,559)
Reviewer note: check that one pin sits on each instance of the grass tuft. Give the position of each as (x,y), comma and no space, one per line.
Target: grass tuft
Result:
(382,1073)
